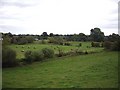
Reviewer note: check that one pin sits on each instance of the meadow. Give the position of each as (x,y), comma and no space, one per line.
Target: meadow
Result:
(97,70)
(38,46)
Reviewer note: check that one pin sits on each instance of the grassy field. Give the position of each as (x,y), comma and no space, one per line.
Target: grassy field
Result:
(36,46)
(97,70)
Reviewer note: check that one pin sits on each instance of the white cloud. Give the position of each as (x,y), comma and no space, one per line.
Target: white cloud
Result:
(59,16)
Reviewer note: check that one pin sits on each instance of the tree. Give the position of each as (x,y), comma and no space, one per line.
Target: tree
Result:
(51,34)
(113,37)
(14,40)
(6,39)
(30,39)
(56,40)
(9,34)
(22,39)
(45,35)
(75,37)
(97,35)
(114,46)
(82,37)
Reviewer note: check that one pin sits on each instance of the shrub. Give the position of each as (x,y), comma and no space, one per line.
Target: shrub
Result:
(8,57)
(60,53)
(74,52)
(102,44)
(86,52)
(61,43)
(92,44)
(43,41)
(29,58)
(80,52)
(80,44)
(95,44)
(38,56)
(114,46)
(56,40)
(107,45)
(67,44)
(48,53)
(51,40)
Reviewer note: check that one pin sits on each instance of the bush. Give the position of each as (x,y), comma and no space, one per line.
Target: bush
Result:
(114,46)
(86,52)
(51,40)
(95,44)
(102,44)
(61,43)
(92,44)
(80,44)
(60,53)
(29,58)
(67,44)
(48,53)
(8,57)
(56,40)
(107,45)
(79,52)
(43,42)
(38,56)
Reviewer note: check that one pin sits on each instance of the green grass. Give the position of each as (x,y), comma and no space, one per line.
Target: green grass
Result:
(52,46)
(97,70)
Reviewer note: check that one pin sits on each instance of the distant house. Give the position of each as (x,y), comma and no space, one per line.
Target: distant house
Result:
(36,39)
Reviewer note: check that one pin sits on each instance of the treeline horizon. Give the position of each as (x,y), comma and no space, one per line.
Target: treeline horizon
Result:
(96,35)
(27,34)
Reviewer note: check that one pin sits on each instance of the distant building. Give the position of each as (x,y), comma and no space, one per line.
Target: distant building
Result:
(36,39)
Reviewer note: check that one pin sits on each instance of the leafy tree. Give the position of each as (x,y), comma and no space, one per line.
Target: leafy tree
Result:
(51,34)
(113,37)
(14,40)
(82,37)
(45,35)
(30,39)
(22,40)
(97,35)
(6,40)
(56,40)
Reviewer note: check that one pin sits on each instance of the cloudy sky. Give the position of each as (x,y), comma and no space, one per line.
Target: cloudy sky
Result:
(58,16)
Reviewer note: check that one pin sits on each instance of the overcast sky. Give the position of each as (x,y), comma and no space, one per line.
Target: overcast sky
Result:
(58,16)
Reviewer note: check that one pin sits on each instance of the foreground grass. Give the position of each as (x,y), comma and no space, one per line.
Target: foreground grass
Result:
(86,71)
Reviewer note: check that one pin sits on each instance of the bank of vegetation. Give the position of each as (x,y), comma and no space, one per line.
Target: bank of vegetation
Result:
(96,38)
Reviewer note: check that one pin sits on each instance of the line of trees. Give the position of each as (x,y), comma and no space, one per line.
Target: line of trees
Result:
(96,35)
